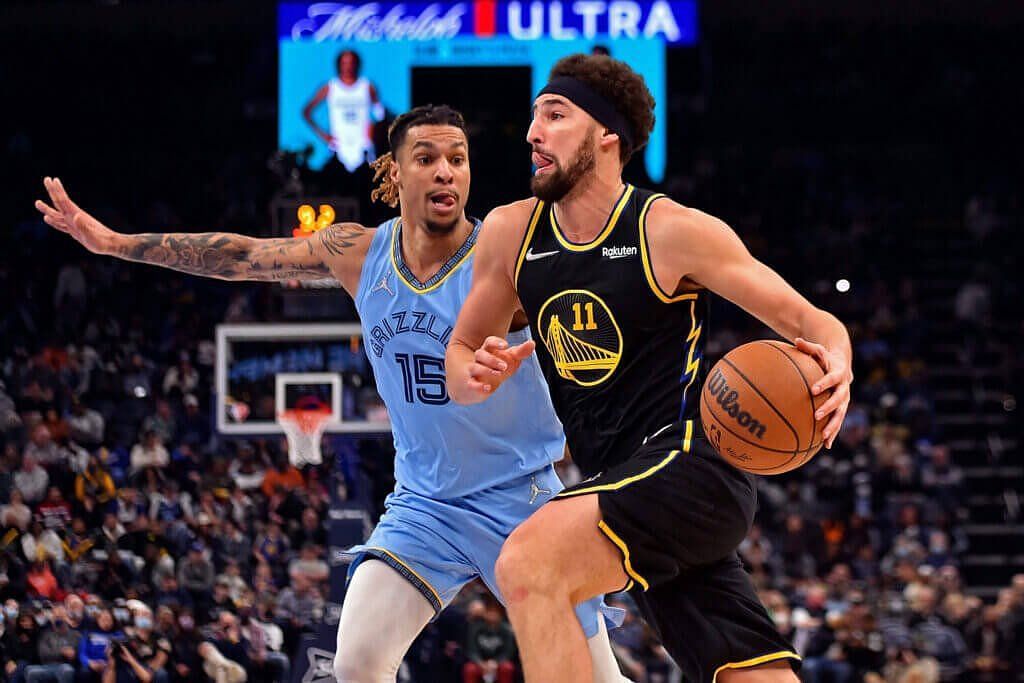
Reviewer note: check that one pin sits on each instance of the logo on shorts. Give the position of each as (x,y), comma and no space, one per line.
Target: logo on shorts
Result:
(338,556)
(726,396)
(536,490)
(321,666)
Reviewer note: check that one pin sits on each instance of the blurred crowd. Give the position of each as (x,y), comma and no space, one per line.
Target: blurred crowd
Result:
(133,544)
(136,545)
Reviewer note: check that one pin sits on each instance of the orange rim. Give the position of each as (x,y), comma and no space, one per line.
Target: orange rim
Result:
(307,420)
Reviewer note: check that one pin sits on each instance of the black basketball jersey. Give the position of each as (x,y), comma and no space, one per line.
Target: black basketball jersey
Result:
(622,358)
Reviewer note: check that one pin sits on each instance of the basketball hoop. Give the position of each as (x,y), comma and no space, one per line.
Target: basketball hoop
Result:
(304,429)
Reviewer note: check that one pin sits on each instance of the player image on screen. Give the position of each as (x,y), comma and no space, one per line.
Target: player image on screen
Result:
(466,476)
(352,108)
(614,280)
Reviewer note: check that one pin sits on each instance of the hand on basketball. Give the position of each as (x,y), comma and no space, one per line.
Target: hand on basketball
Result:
(66,216)
(838,377)
(496,361)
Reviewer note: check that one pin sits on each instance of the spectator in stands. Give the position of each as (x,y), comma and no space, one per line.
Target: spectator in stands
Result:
(32,480)
(171,594)
(194,428)
(271,546)
(265,641)
(136,377)
(232,578)
(95,482)
(941,478)
(226,654)
(42,544)
(990,646)
(311,530)
(111,531)
(86,426)
(196,574)
(116,578)
(490,647)
(22,645)
(815,639)
(45,451)
(802,547)
(152,651)
(219,602)
(309,565)
(1013,623)
(58,651)
(282,475)
(15,514)
(162,422)
(41,581)
(298,606)
(148,459)
(182,378)
(54,512)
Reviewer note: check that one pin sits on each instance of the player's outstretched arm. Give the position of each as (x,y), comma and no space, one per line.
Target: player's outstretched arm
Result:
(334,251)
(691,245)
(478,358)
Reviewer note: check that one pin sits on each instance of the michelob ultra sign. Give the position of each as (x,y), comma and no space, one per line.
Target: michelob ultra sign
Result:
(674,22)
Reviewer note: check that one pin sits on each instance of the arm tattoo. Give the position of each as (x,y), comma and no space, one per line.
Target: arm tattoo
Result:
(238,257)
(338,237)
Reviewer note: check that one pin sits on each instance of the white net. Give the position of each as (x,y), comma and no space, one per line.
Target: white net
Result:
(304,429)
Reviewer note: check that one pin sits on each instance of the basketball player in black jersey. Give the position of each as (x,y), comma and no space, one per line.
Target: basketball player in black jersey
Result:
(614,281)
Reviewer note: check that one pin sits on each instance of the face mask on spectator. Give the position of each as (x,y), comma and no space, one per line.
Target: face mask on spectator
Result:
(145,623)
(92,610)
(11,612)
(186,623)
(41,619)
(121,615)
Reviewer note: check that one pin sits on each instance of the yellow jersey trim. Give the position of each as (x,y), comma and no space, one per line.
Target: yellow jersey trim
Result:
(688,436)
(763,659)
(538,209)
(410,570)
(662,295)
(401,276)
(625,482)
(692,365)
(624,549)
(613,218)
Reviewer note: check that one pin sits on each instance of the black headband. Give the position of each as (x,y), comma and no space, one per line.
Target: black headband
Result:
(603,111)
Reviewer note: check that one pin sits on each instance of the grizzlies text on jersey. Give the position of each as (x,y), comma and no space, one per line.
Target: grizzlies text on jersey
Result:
(445,450)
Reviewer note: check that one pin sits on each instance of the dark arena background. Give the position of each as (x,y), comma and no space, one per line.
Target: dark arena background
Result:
(869,152)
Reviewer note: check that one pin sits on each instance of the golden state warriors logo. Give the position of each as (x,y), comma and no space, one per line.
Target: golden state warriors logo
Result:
(581,335)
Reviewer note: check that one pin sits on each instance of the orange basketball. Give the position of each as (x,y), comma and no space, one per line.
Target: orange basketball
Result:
(758,410)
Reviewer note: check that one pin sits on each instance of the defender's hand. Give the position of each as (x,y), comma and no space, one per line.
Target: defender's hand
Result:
(494,362)
(838,377)
(66,216)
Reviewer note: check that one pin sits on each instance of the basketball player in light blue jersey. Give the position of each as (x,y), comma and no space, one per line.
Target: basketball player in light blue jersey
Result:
(466,475)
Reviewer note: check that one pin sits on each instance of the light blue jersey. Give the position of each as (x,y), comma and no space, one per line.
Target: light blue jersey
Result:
(445,450)
(466,476)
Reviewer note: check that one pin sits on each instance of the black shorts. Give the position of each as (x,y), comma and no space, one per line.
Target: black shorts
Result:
(677,512)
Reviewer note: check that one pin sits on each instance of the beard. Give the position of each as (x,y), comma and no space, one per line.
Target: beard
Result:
(438,228)
(555,185)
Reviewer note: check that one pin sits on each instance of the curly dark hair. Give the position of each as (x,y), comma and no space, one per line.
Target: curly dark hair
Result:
(424,115)
(616,82)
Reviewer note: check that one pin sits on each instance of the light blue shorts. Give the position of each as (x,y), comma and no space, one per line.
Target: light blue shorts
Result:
(441,545)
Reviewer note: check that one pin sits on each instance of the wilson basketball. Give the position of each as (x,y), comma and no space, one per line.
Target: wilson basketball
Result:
(758,410)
